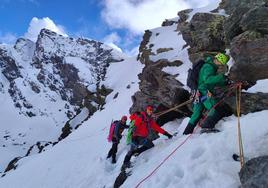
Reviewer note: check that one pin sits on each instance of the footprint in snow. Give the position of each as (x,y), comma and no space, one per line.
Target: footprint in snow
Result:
(197,153)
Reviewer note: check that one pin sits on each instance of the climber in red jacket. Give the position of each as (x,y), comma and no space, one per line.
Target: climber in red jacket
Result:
(141,136)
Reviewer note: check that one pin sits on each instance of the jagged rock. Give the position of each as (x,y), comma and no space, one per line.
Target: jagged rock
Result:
(9,68)
(37,148)
(34,87)
(161,50)
(203,33)
(254,173)
(237,9)
(144,51)
(250,102)
(158,88)
(12,164)
(256,19)
(249,51)
(184,15)
(116,95)
(230,6)
(168,23)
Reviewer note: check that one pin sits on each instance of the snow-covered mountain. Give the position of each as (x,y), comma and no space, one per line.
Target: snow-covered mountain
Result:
(158,77)
(44,85)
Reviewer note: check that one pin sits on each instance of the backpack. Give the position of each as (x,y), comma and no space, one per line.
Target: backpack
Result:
(193,75)
(130,132)
(111,131)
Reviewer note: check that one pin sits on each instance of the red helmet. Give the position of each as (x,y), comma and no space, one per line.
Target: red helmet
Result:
(124,118)
(150,108)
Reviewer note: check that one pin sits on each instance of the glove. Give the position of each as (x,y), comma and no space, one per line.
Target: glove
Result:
(168,135)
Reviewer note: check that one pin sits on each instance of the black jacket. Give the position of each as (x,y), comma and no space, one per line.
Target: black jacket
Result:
(119,128)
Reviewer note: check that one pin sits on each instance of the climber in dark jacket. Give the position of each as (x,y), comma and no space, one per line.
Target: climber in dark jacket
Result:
(208,80)
(117,135)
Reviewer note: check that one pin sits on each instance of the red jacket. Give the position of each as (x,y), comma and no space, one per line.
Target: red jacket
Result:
(141,127)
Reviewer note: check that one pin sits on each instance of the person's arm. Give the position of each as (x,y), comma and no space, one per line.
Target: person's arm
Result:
(211,79)
(126,126)
(157,128)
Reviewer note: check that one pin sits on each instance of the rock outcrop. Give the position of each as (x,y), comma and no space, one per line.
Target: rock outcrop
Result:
(254,173)
(158,88)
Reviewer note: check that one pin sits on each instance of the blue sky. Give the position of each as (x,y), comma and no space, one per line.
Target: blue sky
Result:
(120,22)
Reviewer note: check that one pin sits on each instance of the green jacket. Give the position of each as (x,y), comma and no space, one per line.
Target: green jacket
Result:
(208,77)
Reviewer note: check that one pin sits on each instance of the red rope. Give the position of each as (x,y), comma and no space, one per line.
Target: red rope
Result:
(147,177)
(218,103)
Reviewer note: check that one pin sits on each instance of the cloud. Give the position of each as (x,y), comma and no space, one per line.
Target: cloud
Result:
(113,40)
(8,38)
(133,52)
(36,25)
(139,15)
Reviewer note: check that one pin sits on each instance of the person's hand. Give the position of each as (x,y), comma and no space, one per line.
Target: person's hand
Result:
(168,135)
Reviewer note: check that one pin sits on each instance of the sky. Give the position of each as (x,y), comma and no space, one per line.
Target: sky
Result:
(119,23)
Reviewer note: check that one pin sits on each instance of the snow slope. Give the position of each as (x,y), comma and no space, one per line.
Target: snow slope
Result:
(204,161)
(79,161)
(35,101)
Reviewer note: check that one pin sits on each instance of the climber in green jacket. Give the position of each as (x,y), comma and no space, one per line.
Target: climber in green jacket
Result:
(208,80)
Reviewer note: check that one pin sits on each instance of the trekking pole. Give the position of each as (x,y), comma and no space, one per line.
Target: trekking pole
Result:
(238,110)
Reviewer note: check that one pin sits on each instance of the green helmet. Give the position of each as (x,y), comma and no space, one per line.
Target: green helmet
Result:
(222,58)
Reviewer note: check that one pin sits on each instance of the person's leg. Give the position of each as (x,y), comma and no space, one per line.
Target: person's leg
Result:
(133,148)
(147,144)
(197,114)
(213,116)
(114,148)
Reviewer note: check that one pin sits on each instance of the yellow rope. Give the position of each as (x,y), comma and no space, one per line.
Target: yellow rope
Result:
(171,109)
(238,107)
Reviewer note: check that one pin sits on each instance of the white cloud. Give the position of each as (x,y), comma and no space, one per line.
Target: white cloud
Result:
(133,52)
(112,40)
(137,15)
(8,38)
(36,25)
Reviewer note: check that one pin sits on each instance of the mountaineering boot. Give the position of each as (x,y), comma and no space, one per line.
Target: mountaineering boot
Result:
(189,129)
(211,121)
(113,160)
(126,165)
(209,130)
(140,150)
(109,154)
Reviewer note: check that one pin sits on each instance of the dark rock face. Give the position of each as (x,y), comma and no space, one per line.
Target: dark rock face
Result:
(250,51)
(8,65)
(206,32)
(254,173)
(203,33)
(144,56)
(247,15)
(158,88)
(251,102)
(232,5)
(256,19)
